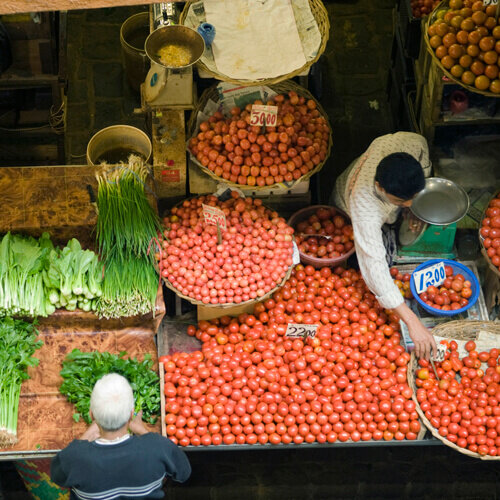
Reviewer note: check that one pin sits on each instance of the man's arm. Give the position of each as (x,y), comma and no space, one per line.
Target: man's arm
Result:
(57,472)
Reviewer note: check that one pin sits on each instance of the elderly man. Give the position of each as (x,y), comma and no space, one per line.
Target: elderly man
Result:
(372,191)
(109,463)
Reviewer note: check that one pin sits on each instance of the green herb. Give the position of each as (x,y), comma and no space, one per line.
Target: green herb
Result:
(17,345)
(126,227)
(81,370)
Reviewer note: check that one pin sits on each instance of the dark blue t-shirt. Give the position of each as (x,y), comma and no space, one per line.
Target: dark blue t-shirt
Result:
(134,468)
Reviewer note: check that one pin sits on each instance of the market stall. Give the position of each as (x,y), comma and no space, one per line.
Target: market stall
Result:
(287,347)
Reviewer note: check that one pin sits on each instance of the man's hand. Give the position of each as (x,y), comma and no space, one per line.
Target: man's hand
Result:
(423,340)
(136,425)
(414,223)
(92,433)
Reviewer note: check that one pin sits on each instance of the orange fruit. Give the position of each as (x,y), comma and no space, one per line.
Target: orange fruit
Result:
(496,32)
(486,43)
(457,71)
(466,12)
(491,10)
(441,51)
(449,16)
(478,6)
(490,57)
(495,86)
(441,29)
(482,82)
(477,67)
(490,23)
(463,37)
(448,62)
(473,50)
(483,31)
(468,77)
(491,71)
(456,21)
(435,41)
(449,39)
(465,61)
(479,17)
(432,30)
(456,4)
(467,24)
(456,51)
(474,37)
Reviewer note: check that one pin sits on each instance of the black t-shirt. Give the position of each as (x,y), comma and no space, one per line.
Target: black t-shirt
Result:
(134,468)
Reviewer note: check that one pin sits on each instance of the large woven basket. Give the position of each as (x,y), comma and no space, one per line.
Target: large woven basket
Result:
(320,15)
(230,304)
(279,88)
(481,239)
(430,19)
(454,330)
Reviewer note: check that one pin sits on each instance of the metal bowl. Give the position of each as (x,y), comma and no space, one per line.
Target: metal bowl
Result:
(175,34)
(441,202)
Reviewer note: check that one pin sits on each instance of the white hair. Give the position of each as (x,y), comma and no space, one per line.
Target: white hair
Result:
(112,401)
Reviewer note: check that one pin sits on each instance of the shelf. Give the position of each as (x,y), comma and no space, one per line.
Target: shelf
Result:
(11,80)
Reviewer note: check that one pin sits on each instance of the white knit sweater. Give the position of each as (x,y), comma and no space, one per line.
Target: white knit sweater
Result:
(355,193)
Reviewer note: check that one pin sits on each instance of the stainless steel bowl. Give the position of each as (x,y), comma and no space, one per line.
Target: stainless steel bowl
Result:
(175,34)
(441,202)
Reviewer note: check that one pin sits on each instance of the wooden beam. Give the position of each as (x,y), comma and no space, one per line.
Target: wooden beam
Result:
(19,6)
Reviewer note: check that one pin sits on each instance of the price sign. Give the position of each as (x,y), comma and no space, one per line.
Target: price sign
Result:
(214,215)
(430,276)
(490,2)
(295,330)
(264,115)
(440,354)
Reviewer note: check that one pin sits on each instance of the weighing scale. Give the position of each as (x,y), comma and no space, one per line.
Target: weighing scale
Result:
(166,86)
(441,204)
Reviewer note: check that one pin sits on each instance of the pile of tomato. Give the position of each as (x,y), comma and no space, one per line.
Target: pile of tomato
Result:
(453,294)
(490,231)
(250,155)
(253,256)
(422,8)
(464,404)
(333,234)
(251,384)
(402,281)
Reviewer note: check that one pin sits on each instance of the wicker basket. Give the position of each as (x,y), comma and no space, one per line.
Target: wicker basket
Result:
(430,19)
(320,14)
(456,330)
(481,239)
(280,88)
(230,304)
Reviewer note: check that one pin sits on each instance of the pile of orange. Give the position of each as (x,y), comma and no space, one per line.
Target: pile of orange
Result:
(466,39)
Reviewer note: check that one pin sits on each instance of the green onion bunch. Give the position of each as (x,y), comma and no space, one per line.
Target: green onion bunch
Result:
(17,345)
(127,228)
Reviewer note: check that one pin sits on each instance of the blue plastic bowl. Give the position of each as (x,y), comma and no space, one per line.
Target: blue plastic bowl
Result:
(457,268)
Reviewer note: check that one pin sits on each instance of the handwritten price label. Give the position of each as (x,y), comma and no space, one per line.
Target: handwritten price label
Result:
(295,330)
(490,2)
(430,276)
(440,354)
(214,215)
(264,115)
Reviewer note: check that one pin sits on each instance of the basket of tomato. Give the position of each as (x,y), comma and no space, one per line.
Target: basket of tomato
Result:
(461,407)
(323,234)
(228,148)
(210,265)
(489,234)
(459,291)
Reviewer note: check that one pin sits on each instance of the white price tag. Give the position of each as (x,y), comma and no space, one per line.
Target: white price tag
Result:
(440,354)
(214,215)
(430,276)
(490,2)
(296,330)
(261,115)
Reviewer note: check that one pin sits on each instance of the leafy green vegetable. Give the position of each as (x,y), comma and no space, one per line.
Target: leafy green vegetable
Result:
(81,370)
(126,226)
(17,345)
